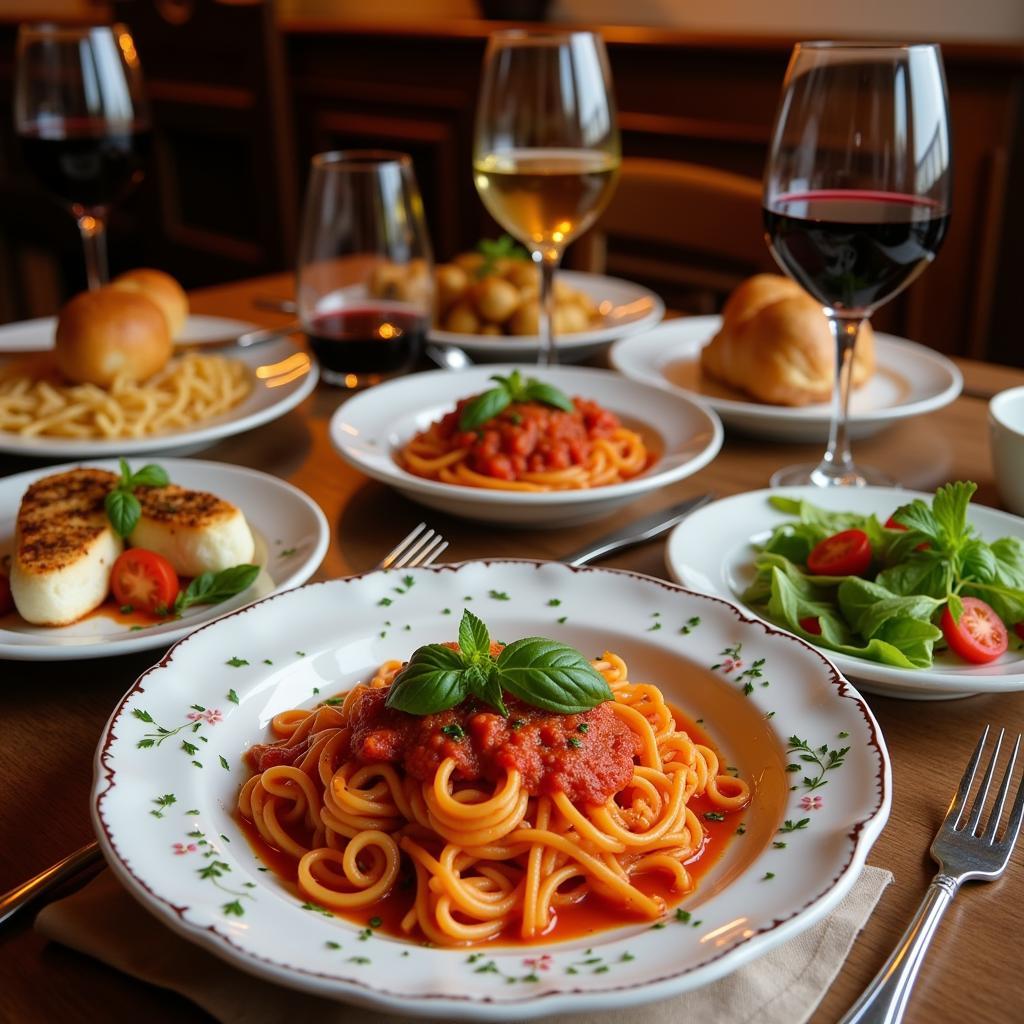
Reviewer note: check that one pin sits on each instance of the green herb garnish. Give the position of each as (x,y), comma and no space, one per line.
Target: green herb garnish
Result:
(541,672)
(495,250)
(123,508)
(513,388)
(454,731)
(214,587)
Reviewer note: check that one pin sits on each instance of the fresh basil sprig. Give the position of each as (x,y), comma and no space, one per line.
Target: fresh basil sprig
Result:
(123,508)
(214,587)
(513,388)
(541,672)
(504,248)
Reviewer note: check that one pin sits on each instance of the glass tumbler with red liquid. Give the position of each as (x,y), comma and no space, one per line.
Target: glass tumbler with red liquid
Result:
(365,279)
(856,198)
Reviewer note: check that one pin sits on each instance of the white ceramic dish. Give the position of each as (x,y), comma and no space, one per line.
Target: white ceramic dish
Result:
(324,637)
(283,375)
(627,308)
(369,428)
(910,380)
(291,540)
(713,551)
(1006,435)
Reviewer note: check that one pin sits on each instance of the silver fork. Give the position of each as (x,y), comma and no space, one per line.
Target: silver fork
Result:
(420,547)
(963,855)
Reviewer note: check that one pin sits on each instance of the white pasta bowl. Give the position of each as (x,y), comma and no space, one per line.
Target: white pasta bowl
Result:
(169,766)
(369,429)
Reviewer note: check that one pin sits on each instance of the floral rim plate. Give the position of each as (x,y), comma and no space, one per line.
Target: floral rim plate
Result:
(282,376)
(630,308)
(712,551)
(910,380)
(369,428)
(291,536)
(169,766)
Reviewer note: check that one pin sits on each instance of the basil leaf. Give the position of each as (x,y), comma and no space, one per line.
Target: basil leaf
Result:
(949,509)
(434,680)
(126,473)
(123,511)
(551,675)
(484,407)
(867,607)
(977,561)
(538,391)
(150,475)
(474,639)
(918,516)
(212,588)
(484,683)
(924,572)
(956,608)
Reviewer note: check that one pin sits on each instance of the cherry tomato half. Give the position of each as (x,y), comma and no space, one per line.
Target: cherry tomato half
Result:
(843,554)
(811,624)
(979,636)
(144,580)
(6,600)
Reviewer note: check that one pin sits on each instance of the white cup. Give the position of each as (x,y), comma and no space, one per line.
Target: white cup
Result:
(1006,433)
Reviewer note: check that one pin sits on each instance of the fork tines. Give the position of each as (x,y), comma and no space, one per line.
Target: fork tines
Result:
(955,815)
(421,546)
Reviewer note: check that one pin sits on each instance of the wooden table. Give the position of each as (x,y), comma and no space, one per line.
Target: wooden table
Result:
(52,714)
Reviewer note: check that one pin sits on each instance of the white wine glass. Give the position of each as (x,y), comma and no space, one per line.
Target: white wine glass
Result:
(546,152)
(856,198)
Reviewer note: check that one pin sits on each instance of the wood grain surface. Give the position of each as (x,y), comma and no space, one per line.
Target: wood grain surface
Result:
(51,714)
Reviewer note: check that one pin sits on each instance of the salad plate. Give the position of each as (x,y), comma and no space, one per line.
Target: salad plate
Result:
(165,810)
(910,380)
(282,376)
(627,308)
(714,551)
(370,428)
(290,530)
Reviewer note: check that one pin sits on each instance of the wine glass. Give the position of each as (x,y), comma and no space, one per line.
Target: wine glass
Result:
(82,122)
(546,152)
(365,291)
(856,198)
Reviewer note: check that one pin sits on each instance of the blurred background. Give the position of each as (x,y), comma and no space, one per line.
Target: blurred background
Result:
(243,92)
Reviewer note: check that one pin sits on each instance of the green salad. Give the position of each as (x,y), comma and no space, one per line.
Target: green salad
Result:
(892,592)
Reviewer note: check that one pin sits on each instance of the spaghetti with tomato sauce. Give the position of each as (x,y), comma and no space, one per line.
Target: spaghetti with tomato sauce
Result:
(466,826)
(529,446)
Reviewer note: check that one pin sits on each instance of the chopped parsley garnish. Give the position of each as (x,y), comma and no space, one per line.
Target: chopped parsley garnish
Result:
(575,742)
(454,731)
(583,727)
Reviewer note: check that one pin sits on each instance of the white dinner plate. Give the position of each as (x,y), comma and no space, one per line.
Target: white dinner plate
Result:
(282,375)
(164,815)
(909,380)
(370,428)
(627,308)
(291,536)
(713,550)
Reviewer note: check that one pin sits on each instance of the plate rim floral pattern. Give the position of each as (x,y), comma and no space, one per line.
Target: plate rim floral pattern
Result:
(858,836)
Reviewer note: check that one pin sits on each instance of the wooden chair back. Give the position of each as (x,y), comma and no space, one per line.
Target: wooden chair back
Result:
(690,232)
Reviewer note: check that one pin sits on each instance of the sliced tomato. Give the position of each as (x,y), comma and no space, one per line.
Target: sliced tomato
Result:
(843,554)
(6,600)
(980,635)
(811,624)
(144,580)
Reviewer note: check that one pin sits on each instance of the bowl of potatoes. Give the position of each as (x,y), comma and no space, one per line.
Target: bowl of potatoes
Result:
(487,302)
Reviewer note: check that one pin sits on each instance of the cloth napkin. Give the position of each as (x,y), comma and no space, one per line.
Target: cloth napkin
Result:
(785,985)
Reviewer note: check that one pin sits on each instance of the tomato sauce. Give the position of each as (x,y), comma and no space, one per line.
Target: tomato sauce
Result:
(528,437)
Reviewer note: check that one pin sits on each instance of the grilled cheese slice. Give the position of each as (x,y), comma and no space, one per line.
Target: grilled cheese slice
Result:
(196,532)
(65,547)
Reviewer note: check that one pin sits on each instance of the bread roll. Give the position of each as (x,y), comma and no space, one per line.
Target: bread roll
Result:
(163,290)
(103,333)
(775,344)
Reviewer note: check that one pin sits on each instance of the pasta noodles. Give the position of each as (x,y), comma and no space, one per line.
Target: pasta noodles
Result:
(193,387)
(478,859)
(529,447)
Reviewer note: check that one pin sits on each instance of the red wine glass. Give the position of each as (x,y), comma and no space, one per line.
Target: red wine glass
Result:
(365,281)
(856,198)
(82,122)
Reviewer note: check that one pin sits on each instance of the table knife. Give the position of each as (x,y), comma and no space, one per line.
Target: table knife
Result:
(636,532)
(258,337)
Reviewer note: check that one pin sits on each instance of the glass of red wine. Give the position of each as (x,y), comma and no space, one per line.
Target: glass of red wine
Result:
(82,122)
(365,281)
(856,198)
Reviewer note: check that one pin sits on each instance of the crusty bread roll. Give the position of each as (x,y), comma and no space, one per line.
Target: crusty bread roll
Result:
(103,333)
(162,289)
(775,344)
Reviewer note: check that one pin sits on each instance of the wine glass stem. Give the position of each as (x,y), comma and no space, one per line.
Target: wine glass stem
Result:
(92,225)
(838,461)
(548,261)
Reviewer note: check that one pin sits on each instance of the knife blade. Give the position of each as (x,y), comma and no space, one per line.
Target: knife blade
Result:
(651,526)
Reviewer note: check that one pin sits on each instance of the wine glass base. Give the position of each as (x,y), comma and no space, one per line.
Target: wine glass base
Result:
(814,474)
